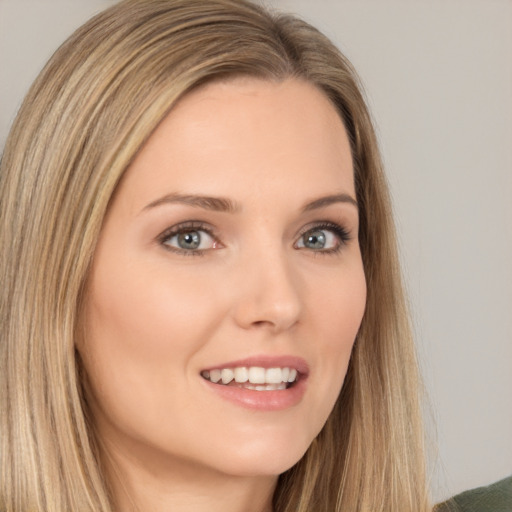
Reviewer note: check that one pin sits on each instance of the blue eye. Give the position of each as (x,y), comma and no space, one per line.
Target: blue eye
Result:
(324,238)
(188,239)
(316,239)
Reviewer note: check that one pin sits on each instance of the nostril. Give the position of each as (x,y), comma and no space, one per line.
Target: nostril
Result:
(277,325)
(260,323)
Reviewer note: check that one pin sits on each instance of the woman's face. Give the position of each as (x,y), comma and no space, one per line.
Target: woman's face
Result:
(229,251)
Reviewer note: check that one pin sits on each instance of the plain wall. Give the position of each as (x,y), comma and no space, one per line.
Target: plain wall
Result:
(438,76)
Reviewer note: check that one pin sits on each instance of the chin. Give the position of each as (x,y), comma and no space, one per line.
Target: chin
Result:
(263,459)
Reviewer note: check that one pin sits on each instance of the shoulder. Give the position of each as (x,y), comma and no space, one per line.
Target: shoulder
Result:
(492,498)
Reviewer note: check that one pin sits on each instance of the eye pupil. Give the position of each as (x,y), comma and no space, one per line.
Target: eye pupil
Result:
(189,240)
(315,240)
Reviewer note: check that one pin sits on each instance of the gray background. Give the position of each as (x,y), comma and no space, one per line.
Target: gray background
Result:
(438,75)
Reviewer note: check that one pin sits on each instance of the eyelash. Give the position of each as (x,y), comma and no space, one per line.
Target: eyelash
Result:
(185,228)
(342,234)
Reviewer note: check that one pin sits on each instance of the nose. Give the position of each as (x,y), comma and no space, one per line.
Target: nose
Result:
(268,294)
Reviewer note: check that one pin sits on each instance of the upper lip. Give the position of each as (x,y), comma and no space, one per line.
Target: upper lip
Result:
(266,361)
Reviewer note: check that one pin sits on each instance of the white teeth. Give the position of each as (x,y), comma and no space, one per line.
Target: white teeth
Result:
(227,375)
(241,374)
(215,375)
(273,376)
(271,387)
(255,377)
(267,387)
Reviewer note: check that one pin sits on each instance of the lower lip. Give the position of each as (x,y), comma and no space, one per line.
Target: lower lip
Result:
(277,400)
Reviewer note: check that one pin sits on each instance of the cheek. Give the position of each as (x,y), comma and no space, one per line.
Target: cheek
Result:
(338,308)
(338,313)
(126,322)
(143,328)
(144,314)
(138,338)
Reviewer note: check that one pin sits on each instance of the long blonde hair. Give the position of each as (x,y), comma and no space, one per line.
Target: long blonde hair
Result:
(94,105)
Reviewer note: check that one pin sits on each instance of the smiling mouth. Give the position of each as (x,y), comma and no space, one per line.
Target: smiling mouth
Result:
(255,378)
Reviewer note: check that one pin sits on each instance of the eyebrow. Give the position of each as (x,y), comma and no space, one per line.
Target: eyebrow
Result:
(217,204)
(221,204)
(322,202)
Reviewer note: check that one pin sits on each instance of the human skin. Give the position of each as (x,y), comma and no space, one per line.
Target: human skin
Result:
(158,312)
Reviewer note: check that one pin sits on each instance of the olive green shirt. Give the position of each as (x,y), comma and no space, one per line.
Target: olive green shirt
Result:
(492,498)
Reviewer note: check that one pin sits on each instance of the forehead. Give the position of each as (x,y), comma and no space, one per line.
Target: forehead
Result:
(246,131)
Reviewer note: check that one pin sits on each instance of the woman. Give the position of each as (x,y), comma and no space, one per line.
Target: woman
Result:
(192,191)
